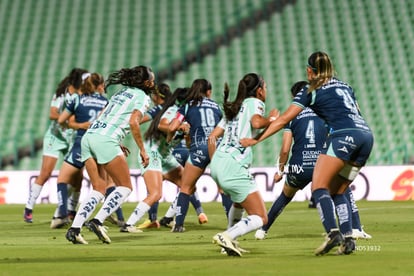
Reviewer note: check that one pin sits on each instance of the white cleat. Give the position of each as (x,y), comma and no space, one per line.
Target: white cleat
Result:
(130,229)
(357,234)
(227,244)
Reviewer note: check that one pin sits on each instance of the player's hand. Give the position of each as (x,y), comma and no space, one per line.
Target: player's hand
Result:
(277,177)
(185,128)
(144,159)
(248,142)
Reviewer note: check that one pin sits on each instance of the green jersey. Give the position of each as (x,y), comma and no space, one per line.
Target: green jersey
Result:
(114,119)
(240,127)
(161,146)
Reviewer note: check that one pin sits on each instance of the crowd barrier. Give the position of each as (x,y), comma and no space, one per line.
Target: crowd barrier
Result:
(373,183)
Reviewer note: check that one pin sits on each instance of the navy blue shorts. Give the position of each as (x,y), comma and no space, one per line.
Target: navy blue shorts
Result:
(74,155)
(181,154)
(298,177)
(352,145)
(198,156)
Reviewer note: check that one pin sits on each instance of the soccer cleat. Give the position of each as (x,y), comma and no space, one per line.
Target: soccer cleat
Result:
(360,234)
(73,235)
(237,246)
(202,218)
(334,238)
(58,222)
(260,234)
(167,222)
(178,229)
(347,246)
(28,216)
(111,219)
(129,229)
(225,242)
(149,224)
(95,226)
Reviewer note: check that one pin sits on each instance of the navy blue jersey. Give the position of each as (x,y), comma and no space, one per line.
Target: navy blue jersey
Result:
(86,108)
(335,103)
(309,134)
(202,118)
(152,112)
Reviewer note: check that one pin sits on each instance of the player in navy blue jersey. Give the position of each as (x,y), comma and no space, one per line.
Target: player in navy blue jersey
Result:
(159,97)
(202,114)
(85,107)
(348,147)
(309,133)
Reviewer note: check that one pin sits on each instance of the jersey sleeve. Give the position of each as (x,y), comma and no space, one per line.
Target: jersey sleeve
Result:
(56,102)
(72,103)
(254,106)
(180,115)
(152,112)
(303,98)
(142,103)
(222,123)
(170,113)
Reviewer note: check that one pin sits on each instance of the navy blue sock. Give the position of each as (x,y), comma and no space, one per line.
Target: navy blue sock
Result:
(325,208)
(183,202)
(343,211)
(196,204)
(118,212)
(109,190)
(62,190)
(356,222)
(227,203)
(153,212)
(276,209)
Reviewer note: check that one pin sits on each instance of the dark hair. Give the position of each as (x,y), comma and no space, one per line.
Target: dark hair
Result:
(75,77)
(322,67)
(153,132)
(140,77)
(91,82)
(62,87)
(297,86)
(248,86)
(198,91)
(163,90)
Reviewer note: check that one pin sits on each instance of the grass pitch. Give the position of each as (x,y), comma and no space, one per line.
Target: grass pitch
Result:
(35,249)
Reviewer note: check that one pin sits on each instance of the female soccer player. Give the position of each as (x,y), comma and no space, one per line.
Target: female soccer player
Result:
(202,114)
(57,139)
(101,146)
(85,107)
(349,145)
(230,162)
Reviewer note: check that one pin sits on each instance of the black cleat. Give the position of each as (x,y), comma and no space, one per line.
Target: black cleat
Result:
(334,238)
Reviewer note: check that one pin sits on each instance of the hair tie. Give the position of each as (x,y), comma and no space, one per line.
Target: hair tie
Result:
(85,76)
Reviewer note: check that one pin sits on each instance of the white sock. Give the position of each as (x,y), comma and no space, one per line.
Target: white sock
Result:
(86,208)
(235,215)
(73,201)
(56,214)
(34,193)
(246,225)
(112,202)
(141,209)
(171,210)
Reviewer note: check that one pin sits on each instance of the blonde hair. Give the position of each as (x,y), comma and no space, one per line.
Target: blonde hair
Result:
(323,70)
